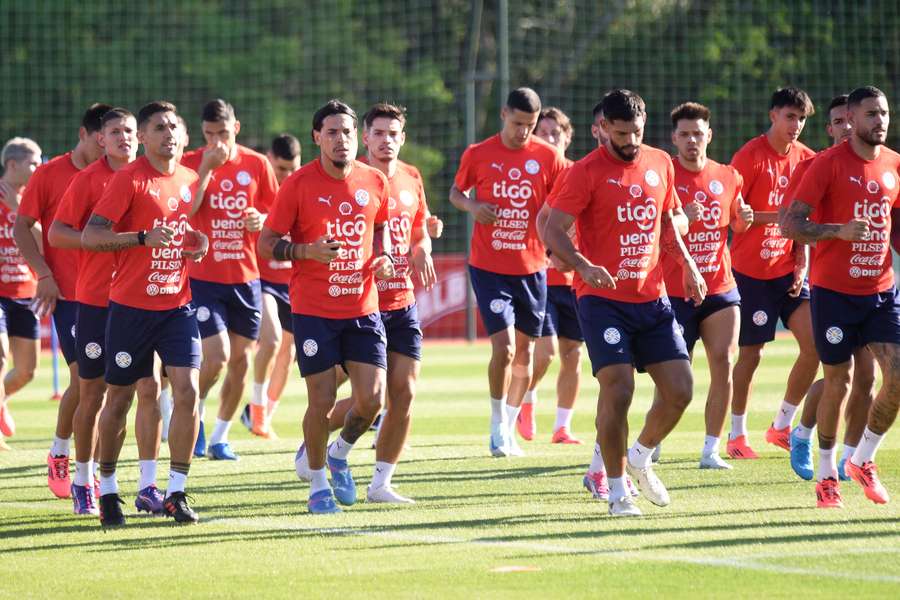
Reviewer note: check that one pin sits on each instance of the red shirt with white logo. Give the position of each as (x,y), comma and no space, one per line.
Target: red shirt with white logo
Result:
(406,212)
(95,269)
(517,183)
(618,207)
(555,276)
(717,189)
(243,182)
(840,186)
(762,252)
(17,280)
(138,197)
(39,201)
(311,204)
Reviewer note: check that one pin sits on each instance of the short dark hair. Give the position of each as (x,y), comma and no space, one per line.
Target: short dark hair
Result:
(862,93)
(841,100)
(92,120)
(795,97)
(332,107)
(151,108)
(114,114)
(217,110)
(622,105)
(384,109)
(285,146)
(690,111)
(524,99)
(598,110)
(561,118)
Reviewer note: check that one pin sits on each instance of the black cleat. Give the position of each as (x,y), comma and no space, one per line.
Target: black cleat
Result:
(176,506)
(111,511)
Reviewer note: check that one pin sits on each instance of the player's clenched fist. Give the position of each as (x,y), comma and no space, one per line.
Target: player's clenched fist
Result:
(484,213)
(692,210)
(854,230)
(324,249)
(159,237)
(383,267)
(215,156)
(597,277)
(745,213)
(253,220)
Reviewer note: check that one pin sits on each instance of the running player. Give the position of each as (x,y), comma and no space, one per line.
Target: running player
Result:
(862,391)
(118,136)
(560,328)
(770,269)
(143,216)
(56,272)
(512,173)
(622,199)
(711,193)
(19,328)
(384,136)
(276,341)
(237,186)
(845,203)
(335,210)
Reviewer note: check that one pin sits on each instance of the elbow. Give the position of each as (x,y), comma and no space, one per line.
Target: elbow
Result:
(55,237)
(87,239)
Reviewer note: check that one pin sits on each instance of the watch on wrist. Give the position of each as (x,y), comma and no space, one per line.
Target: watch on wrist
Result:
(142,238)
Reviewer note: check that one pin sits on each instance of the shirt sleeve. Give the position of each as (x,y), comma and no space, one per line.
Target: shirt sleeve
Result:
(422,210)
(671,201)
(116,199)
(72,205)
(32,197)
(747,168)
(814,185)
(382,215)
(268,188)
(737,197)
(466,175)
(284,212)
(574,194)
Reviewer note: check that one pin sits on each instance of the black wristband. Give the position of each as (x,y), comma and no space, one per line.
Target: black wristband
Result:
(389,257)
(142,238)
(549,253)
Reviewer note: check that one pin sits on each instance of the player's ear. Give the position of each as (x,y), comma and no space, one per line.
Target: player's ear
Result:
(709,135)
(402,138)
(504,112)
(82,134)
(674,136)
(237,127)
(772,115)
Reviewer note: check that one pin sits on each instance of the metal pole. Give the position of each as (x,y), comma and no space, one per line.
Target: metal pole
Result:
(503,47)
(471,77)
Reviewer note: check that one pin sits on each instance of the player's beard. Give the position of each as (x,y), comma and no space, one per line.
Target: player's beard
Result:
(620,151)
(869,138)
(340,164)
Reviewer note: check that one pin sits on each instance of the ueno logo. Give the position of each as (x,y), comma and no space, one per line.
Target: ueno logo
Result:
(521,192)
(233,206)
(643,215)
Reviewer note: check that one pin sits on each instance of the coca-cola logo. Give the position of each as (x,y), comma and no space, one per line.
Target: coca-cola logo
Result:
(164,278)
(346,278)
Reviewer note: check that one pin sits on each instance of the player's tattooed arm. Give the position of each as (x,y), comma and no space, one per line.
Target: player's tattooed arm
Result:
(671,243)
(798,226)
(98,236)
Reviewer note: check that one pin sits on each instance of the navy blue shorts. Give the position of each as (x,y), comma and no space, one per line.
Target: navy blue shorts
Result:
(763,301)
(323,343)
(17,320)
(90,339)
(236,307)
(404,334)
(134,334)
(689,316)
(842,322)
(640,334)
(282,296)
(504,300)
(64,316)
(561,318)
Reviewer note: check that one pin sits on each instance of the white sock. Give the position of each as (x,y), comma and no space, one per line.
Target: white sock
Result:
(177,481)
(60,447)
(319,481)
(867,447)
(220,432)
(147,470)
(512,415)
(201,408)
(382,474)
(827,464)
(597,461)
(95,470)
(82,473)
(497,405)
(340,448)
(803,432)
(710,445)
(639,456)
(563,418)
(256,398)
(617,488)
(785,415)
(847,452)
(530,397)
(108,485)
(738,426)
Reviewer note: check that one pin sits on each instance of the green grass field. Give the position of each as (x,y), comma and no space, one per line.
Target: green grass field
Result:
(482,527)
